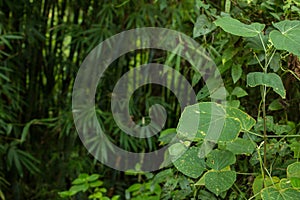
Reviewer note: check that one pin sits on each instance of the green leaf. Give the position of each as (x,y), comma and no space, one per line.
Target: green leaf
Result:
(96,184)
(190,164)
(236,72)
(167,135)
(65,194)
(93,177)
(283,194)
(246,121)
(14,160)
(26,130)
(79,188)
(219,181)
(240,146)
(239,92)
(228,54)
(83,176)
(285,183)
(293,170)
(287,38)
(267,79)
(177,149)
(202,26)
(224,123)
(238,28)
(275,62)
(259,183)
(295,147)
(255,42)
(219,159)
(275,105)
(78,181)
(293,173)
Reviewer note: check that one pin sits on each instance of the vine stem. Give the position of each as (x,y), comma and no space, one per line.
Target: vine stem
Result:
(265,125)
(264,93)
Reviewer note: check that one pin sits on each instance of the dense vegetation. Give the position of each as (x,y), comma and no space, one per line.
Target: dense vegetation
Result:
(256,47)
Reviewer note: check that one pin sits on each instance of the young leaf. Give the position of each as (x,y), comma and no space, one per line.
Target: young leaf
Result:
(287,38)
(267,79)
(239,92)
(236,72)
(202,26)
(275,105)
(238,28)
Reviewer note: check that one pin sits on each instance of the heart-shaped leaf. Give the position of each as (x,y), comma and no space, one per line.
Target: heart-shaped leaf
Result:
(219,159)
(293,173)
(283,194)
(238,28)
(213,122)
(267,79)
(190,164)
(287,38)
(219,181)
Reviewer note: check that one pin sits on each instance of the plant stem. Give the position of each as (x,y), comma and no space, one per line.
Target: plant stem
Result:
(265,125)
(264,93)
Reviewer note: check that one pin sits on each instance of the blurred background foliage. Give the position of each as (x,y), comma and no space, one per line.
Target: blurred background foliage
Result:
(43,43)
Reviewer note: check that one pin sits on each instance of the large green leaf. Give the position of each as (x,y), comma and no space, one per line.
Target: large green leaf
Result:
(212,121)
(219,159)
(267,79)
(190,164)
(287,38)
(219,181)
(238,28)
(283,194)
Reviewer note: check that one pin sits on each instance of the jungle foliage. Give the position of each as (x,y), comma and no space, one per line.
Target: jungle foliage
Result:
(256,47)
